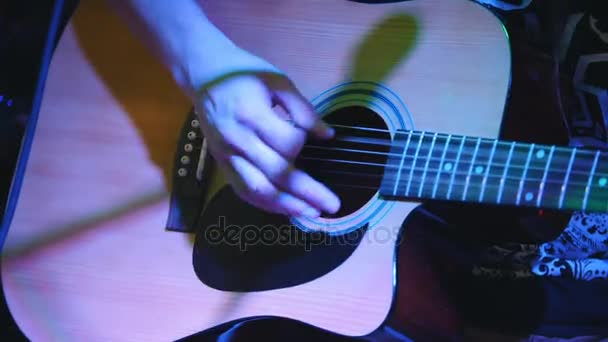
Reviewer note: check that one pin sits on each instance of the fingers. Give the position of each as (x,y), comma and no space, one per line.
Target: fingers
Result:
(280,172)
(274,130)
(253,186)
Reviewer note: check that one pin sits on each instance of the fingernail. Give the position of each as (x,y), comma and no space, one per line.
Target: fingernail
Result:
(333,205)
(311,213)
(324,130)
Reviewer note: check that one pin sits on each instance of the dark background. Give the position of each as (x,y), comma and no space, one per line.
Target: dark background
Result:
(24,27)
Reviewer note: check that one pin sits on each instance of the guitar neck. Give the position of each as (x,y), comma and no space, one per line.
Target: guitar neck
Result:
(424,165)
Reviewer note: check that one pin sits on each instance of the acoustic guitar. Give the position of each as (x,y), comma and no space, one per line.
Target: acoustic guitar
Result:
(124,229)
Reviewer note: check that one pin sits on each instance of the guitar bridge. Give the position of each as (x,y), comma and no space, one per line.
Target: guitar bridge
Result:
(190,170)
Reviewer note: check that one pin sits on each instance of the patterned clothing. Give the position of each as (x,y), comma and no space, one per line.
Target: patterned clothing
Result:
(580,252)
(580,45)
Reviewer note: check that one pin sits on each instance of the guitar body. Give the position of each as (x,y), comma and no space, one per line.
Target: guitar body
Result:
(88,255)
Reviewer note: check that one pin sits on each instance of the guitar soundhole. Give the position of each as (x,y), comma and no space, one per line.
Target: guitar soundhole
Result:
(352,163)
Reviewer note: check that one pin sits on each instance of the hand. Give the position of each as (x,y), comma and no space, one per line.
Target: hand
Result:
(255,146)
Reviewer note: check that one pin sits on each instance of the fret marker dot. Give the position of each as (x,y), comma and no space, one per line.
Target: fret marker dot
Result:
(540,154)
(529,196)
(479,169)
(447,166)
(602,181)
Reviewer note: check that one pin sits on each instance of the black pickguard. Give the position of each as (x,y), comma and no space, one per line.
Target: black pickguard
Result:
(241,248)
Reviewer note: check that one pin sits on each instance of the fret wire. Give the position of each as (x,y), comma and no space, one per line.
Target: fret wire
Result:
(384,165)
(446,182)
(544,180)
(502,142)
(407,188)
(457,173)
(381,165)
(495,179)
(455,167)
(422,149)
(553,164)
(468,179)
(456,182)
(523,177)
(504,175)
(409,137)
(566,179)
(494,185)
(516,166)
(485,177)
(464,152)
(513,164)
(426,165)
(447,143)
(602,197)
(591,175)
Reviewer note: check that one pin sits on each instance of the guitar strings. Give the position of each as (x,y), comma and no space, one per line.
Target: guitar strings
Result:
(491,179)
(459,178)
(413,133)
(499,143)
(488,195)
(488,192)
(363,128)
(422,148)
(513,165)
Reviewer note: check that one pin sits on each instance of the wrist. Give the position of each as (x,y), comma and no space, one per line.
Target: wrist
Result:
(200,72)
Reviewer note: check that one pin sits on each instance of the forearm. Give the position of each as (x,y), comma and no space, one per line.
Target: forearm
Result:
(180,34)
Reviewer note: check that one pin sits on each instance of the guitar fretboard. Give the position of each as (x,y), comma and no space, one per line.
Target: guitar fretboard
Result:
(470,169)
